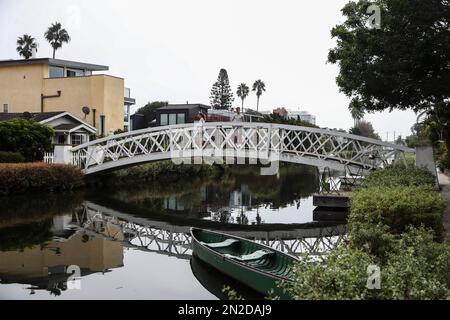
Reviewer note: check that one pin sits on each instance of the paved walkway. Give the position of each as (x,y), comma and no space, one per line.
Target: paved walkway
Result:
(444,181)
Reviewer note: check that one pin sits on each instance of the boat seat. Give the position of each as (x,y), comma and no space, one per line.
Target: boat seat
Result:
(223,244)
(250,257)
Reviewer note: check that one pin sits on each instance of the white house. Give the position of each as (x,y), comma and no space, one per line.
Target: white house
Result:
(69,129)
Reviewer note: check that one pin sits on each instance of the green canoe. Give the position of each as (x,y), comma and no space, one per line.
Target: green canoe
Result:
(255,265)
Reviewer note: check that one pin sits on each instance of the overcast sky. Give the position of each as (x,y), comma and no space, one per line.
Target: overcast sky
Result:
(172,50)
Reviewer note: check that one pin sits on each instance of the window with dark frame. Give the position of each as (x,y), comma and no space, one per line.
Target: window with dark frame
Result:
(102,125)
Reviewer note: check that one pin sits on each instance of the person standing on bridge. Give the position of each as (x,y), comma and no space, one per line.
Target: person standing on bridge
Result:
(199,120)
(237,118)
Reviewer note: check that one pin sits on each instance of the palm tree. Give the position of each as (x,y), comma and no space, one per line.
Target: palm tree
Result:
(357,114)
(25,46)
(242,92)
(56,36)
(259,87)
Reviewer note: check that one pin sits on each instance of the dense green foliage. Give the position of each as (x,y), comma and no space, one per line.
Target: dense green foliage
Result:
(38,177)
(398,207)
(395,222)
(24,136)
(11,157)
(416,267)
(399,176)
(402,65)
(221,94)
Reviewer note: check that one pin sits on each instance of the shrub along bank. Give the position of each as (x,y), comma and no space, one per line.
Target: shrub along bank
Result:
(38,177)
(11,157)
(395,224)
(163,172)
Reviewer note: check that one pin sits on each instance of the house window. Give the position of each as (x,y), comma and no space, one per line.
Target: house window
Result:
(74,73)
(55,72)
(102,125)
(61,139)
(77,139)
(164,119)
(180,118)
(5,108)
(126,113)
(172,118)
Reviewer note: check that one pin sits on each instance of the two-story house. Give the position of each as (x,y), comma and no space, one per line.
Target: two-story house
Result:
(50,85)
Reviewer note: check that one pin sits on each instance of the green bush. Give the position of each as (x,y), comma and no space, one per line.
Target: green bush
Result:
(399,176)
(11,157)
(398,208)
(25,136)
(340,275)
(38,177)
(416,268)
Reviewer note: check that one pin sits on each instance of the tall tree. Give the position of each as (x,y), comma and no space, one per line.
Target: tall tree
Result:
(357,114)
(221,95)
(365,129)
(242,92)
(56,36)
(25,46)
(259,86)
(403,64)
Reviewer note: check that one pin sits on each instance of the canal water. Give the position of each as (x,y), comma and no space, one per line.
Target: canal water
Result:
(134,242)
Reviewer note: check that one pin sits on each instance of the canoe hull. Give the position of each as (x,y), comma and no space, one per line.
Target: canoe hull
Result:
(259,281)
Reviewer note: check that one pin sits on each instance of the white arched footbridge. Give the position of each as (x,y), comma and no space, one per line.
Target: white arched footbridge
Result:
(223,142)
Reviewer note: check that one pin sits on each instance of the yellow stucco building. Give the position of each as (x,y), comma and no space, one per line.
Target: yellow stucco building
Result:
(47,85)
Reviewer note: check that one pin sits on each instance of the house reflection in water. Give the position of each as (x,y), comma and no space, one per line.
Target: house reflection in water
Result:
(44,266)
(206,198)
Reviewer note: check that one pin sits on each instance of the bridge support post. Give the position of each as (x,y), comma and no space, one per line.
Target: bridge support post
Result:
(63,155)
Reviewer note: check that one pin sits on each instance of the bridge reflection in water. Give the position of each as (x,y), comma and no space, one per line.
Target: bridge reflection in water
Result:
(174,240)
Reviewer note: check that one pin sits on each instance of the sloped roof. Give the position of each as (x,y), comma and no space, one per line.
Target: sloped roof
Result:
(37,116)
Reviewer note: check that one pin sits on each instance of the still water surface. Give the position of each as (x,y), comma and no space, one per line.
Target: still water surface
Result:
(134,243)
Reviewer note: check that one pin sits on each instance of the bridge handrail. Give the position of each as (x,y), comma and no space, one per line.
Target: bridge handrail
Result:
(246,125)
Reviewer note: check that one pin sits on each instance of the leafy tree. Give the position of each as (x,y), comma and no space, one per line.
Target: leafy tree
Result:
(221,95)
(25,46)
(242,92)
(365,129)
(357,114)
(149,110)
(405,64)
(258,86)
(25,136)
(151,106)
(56,36)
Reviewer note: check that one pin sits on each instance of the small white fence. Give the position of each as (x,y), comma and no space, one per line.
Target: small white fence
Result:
(49,157)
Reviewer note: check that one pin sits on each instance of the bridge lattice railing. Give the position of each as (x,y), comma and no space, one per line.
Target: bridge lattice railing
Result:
(218,141)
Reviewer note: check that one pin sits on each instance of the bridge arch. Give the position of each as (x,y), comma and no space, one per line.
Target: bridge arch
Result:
(211,142)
